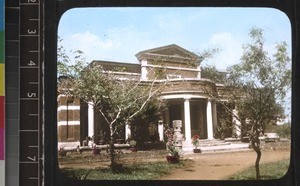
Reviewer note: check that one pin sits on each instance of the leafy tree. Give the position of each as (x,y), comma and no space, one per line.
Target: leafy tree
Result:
(211,72)
(261,84)
(257,87)
(284,131)
(118,99)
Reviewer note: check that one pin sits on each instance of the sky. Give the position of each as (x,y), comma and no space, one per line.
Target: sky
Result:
(117,34)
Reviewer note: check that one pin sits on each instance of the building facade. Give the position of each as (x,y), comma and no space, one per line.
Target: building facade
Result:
(191,98)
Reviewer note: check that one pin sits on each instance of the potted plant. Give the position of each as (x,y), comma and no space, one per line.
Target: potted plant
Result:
(86,141)
(102,136)
(132,144)
(196,143)
(222,130)
(119,136)
(95,149)
(62,152)
(174,152)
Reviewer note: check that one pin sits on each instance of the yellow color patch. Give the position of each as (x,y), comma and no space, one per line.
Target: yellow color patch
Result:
(2,81)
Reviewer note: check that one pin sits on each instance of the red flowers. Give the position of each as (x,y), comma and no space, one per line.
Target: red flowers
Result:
(196,141)
(196,136)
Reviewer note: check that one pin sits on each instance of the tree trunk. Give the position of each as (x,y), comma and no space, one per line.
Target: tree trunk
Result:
(258,153)
(256,146)
(113,162)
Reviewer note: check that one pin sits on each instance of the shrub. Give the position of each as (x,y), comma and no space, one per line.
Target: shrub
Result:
(284,131)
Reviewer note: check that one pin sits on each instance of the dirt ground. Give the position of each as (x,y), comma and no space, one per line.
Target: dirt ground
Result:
(220,166)
(200,166)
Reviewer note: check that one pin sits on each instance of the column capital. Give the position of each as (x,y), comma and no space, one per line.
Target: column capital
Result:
(187,98)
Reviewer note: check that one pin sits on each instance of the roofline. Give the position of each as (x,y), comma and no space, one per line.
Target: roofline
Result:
(199,58)
(115,63)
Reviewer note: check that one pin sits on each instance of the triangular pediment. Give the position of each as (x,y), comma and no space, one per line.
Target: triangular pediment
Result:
(171,51)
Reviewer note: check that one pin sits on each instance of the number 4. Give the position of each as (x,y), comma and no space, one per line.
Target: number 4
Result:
(31,63)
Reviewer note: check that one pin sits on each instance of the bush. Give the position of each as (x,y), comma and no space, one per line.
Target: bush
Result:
(284,131)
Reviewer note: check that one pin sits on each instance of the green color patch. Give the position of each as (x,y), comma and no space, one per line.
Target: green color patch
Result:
(144,171)
(274,170)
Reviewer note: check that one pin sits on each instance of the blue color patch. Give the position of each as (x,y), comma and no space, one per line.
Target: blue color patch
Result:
(2,18)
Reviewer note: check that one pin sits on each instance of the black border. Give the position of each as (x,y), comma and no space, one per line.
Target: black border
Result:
(53,10)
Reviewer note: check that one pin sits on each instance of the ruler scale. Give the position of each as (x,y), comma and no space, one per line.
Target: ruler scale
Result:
(30,130)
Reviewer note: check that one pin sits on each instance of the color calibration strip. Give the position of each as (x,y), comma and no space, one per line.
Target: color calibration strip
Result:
(2,96)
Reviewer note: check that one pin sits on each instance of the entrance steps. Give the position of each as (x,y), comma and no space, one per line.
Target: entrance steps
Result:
(215,145)
(206,146)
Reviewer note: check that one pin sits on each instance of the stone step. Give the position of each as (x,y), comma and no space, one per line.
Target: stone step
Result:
(207,143)
(214,144)
(219,148)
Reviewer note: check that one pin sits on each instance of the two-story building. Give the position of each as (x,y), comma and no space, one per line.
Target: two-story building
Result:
(191,98)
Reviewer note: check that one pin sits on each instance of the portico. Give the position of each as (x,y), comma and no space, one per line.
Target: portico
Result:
(198,115)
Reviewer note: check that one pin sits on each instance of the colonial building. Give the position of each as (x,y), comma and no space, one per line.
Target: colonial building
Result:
(191,98)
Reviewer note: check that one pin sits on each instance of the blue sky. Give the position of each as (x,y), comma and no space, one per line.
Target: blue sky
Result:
(117,34)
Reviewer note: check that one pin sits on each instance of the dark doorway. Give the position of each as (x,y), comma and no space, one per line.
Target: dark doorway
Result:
(175,113)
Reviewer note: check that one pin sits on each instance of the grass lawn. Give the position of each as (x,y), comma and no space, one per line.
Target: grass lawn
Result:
(141,165)
(268,171)
(144,171)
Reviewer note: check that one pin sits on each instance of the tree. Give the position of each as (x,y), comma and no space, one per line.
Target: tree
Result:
(261,84)
(257,87)
(211,72)
(118,99)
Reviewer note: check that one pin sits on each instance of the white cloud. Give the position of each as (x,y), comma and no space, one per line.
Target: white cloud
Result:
(89,40)
(92,45)
(118,44)
(121,44)
(230,48)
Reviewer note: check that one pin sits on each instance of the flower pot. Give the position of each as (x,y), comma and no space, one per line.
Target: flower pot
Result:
(85,143)
(101,142)
(96,151)
(62,153)
(222,137)
(133,149)
(197,150)
(119,141)
(172,159)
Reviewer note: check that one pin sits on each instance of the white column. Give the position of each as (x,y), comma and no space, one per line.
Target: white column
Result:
(187,120)
(127,131)
(90,120)
(237,124)
(161,130)
(209,117)
(144,69)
